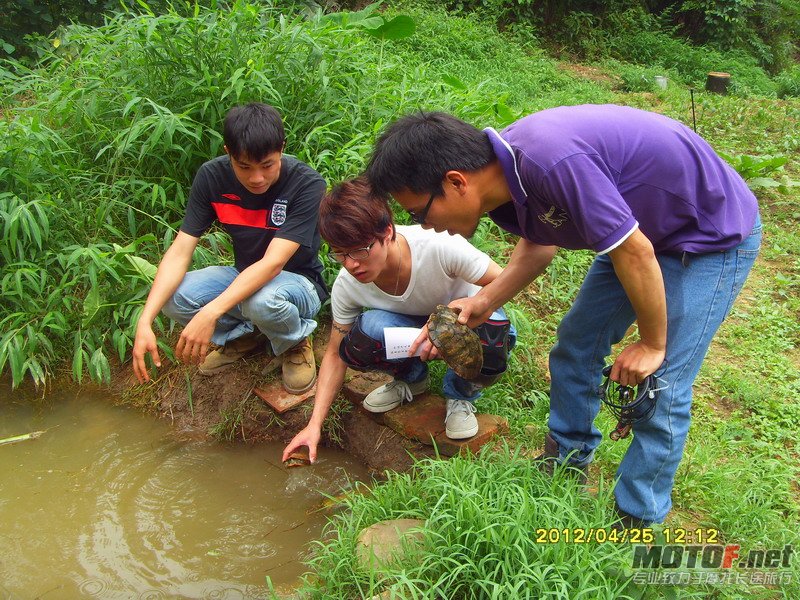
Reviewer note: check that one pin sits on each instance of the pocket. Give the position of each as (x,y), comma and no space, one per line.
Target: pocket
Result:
(744,262)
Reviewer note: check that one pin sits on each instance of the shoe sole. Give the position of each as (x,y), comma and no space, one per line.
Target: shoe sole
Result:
(305,389)
(378,409)
(461,435)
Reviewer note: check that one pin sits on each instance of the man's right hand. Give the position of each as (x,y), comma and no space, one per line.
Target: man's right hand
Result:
(144,343)
(309,436)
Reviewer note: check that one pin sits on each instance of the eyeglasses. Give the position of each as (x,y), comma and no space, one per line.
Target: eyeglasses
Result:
(419,219)
(357,254)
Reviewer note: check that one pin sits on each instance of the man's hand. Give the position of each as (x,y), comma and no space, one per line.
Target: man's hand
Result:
(635,363)
(474,310)
(143,344)
(429,351)
(308,436)
(192,346)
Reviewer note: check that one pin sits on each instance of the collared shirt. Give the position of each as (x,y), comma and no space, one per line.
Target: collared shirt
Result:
(587,176)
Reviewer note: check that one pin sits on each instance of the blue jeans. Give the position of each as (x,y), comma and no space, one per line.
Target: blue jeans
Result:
(699,297)
(374,321)
(283,309)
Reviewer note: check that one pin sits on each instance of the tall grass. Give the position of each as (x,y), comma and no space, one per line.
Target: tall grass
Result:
(95,161)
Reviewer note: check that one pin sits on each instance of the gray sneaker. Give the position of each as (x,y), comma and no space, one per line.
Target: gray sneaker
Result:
(460,422)
(393,394)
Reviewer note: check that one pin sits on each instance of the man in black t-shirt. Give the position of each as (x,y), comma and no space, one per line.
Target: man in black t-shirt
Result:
(269,204)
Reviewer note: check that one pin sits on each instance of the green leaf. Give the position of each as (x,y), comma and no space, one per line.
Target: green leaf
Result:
(402,26)
(763,182)
(91,305)
(142,266)
(372,23)
(454,82)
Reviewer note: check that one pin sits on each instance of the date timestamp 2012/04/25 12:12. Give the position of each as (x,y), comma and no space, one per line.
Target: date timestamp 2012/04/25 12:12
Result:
(644,535)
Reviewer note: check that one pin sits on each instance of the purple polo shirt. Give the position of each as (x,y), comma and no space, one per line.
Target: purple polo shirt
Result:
(588,176)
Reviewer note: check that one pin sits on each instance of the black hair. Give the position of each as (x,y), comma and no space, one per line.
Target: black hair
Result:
(416,151)
(253,130)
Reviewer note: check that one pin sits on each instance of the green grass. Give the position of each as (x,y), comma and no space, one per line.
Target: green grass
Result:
(481,518)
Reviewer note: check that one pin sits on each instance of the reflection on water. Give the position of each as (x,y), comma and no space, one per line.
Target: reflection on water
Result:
(108,504)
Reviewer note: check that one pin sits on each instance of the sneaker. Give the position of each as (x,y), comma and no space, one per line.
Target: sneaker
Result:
(460,422)
(550,459)
(393,394)
(299,368)
(222,358)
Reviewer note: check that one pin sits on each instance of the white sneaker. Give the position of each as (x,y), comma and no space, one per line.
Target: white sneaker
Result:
(393,394)
(460,422)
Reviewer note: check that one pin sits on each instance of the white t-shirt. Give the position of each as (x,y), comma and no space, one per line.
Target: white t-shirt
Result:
(443,268)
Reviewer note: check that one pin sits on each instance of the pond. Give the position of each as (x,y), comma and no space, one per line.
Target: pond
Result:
(110,503)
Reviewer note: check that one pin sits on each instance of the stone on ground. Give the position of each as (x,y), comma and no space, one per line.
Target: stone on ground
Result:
(387,541)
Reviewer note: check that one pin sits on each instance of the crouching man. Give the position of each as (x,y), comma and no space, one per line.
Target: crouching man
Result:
(269,204)
(399,275)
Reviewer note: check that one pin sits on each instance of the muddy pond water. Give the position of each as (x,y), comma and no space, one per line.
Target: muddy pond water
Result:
(111,503)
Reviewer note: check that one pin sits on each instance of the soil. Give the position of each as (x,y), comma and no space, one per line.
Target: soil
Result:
(224,407)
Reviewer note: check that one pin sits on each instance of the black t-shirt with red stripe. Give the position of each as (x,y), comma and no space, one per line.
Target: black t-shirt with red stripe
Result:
(289,210)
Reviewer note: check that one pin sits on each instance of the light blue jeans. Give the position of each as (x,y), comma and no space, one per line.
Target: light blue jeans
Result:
(374,321)
(283,310)
(699,297)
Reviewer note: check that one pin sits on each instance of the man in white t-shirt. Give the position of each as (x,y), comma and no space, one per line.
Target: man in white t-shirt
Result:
(399,274)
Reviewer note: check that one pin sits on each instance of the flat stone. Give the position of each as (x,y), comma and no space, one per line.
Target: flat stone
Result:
(421,420)
(279,399)
(362,384)
(488,427)
(387,541)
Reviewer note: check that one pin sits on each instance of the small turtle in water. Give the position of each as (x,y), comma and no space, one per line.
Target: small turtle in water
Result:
(459,346)
(298,458)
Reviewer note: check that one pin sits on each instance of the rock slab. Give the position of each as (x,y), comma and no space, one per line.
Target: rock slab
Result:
(279,399)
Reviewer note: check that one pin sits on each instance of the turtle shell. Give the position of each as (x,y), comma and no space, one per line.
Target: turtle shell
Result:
(297,459)
(458,345)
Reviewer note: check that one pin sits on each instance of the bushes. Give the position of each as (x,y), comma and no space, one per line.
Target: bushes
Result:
(95,162)
(767,31)
(788,82)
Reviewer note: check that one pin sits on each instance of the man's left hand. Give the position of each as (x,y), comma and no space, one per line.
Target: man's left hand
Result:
(192,346)
(635,363)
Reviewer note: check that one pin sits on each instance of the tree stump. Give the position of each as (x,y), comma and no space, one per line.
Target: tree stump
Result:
(717,83)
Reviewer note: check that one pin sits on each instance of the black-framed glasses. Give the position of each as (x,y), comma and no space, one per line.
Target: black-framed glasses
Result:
(419,219)
(357,254)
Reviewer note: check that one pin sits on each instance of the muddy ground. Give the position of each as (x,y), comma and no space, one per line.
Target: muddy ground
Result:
(225,407)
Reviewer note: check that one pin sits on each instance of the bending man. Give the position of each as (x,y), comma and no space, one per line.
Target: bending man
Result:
(675,230)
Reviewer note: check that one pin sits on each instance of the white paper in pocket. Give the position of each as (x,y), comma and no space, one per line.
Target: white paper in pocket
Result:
(398,340)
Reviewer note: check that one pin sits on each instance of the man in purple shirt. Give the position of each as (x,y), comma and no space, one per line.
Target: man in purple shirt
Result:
(675,229)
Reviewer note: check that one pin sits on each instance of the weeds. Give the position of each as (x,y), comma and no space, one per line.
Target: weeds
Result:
(480,521)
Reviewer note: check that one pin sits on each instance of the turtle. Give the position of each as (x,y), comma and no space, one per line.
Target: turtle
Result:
(297,459)
(459,346)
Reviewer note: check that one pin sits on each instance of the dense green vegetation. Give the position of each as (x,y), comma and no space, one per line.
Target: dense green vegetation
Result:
(99,142)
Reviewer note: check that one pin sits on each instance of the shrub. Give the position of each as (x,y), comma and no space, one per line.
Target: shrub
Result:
(788,82)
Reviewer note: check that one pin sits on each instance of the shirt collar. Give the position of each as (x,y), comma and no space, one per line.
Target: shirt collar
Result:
(508,162)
